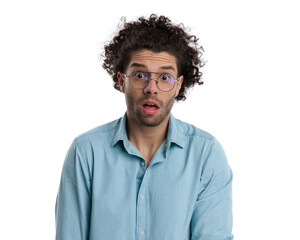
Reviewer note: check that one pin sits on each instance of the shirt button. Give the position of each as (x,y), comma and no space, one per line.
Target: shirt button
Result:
(142,164)
(142,196)
(142,232)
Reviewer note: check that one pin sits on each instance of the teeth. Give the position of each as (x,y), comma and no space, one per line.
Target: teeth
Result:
(151,105)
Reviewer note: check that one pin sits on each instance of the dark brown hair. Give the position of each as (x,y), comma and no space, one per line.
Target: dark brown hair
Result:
(156,34)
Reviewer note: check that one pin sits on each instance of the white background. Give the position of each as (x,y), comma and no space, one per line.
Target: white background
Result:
(53,88)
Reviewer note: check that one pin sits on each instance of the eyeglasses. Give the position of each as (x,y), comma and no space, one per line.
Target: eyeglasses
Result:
(164,81)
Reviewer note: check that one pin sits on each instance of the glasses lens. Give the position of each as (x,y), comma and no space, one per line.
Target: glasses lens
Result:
(166,82)
(138,80)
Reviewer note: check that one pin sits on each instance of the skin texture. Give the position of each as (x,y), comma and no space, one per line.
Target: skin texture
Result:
(148,131)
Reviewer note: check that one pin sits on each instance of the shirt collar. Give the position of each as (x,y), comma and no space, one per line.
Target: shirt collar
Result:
(174,132)
(120,134)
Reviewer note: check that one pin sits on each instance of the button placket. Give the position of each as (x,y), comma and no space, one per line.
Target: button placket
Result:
(142,209)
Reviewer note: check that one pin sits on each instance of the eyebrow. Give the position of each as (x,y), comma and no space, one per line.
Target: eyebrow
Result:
(142,65)
(137,65)
(168,67)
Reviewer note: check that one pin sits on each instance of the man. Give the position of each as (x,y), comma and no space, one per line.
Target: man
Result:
(147,175)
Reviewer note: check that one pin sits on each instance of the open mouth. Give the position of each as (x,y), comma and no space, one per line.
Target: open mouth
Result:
(150,104)
(150,107)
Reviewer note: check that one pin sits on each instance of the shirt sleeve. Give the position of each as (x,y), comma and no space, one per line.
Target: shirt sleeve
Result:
(212,216)
(73,203)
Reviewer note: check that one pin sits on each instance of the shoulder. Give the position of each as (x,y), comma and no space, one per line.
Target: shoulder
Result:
(189,130)
(197,138)
(100,134)
(212,155)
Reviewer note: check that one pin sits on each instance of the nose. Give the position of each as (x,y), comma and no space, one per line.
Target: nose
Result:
(151,87)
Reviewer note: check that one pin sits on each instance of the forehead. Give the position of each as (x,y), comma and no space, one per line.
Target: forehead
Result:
(153,61)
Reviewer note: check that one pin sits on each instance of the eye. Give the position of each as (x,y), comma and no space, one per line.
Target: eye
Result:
(139,75)
(164,77)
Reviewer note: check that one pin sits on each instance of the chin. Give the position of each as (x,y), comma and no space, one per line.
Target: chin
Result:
(151,121)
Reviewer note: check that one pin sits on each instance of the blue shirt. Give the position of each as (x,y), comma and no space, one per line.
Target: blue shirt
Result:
(107,193)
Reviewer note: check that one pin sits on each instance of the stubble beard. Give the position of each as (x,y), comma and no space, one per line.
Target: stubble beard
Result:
(141,118)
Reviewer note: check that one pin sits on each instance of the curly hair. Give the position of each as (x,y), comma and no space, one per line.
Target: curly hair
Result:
(156,34)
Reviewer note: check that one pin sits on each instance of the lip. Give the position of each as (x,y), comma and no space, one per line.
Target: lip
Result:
(150,111)
(150,102)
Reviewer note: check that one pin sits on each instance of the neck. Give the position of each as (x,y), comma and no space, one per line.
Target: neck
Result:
(146,139)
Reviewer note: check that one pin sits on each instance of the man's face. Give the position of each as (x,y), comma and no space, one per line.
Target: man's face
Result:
(150,106)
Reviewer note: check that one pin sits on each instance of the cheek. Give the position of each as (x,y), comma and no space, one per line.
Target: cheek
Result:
(130,99)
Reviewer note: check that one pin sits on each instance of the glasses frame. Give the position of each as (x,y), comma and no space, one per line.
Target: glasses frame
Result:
(149,79)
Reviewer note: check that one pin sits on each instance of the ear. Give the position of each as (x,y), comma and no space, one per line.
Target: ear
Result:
(178,84)
(121,81)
